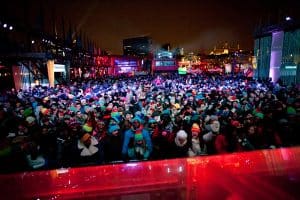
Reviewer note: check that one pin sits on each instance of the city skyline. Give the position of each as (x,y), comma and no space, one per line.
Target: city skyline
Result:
(193,25)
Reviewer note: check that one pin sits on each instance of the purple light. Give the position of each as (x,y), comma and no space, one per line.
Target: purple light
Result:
(276,55)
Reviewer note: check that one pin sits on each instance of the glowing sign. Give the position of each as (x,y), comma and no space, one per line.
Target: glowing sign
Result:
(291,67)
(59,68)
(165,63)
(127,63)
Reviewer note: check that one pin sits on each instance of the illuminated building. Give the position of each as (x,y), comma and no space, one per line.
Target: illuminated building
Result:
(164,61)
(277,52)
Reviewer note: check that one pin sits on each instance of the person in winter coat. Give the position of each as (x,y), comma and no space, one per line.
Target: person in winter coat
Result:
(180,145)
(113,144)
(88,150)
(137,142)
(198,146)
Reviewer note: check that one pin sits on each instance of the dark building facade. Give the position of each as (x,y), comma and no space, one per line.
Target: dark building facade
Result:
(138,46)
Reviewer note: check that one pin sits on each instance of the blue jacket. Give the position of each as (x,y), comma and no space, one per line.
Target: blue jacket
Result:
(129,134)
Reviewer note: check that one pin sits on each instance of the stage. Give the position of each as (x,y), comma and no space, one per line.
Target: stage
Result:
(266,174)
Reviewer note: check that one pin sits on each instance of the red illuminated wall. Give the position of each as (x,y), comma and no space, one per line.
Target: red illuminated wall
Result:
(267,174)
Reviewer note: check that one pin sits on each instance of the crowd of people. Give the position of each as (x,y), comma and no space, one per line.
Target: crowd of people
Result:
(120,119)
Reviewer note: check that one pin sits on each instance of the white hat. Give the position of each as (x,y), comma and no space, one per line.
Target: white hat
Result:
(214,117)
(30,119)
(181,134)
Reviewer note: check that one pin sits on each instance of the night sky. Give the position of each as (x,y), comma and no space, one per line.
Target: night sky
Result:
(195,25)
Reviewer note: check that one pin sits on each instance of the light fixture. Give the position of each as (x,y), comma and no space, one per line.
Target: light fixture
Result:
(288,18)
(11,28)
(4,25)
(32,41)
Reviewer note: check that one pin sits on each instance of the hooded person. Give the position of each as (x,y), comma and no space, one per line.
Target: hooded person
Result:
(113,144)
(180,145)
(89,152)
(137,141)
(35,159)
(197,145)
(212,129)
(100,131)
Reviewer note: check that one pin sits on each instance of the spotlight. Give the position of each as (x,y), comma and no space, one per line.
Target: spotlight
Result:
(32,41)
(288,18)
(4,25)
(11,27)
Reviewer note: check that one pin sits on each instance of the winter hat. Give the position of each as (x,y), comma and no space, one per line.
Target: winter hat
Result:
(291,111)
(27,112)
(151,121)
(87,127)
(44,111)
(199,97)
(176,106)
(114,111)
(138,119)
(195,118)
(259,115)
(181,134)
(232,98)
(85,137)
(195,128)
(214,118)
(116,119)
(116,115)
(113,128)
(235,123)
(30,119)
(73,109)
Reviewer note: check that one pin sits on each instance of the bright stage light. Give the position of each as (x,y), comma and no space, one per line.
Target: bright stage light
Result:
(4,25)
